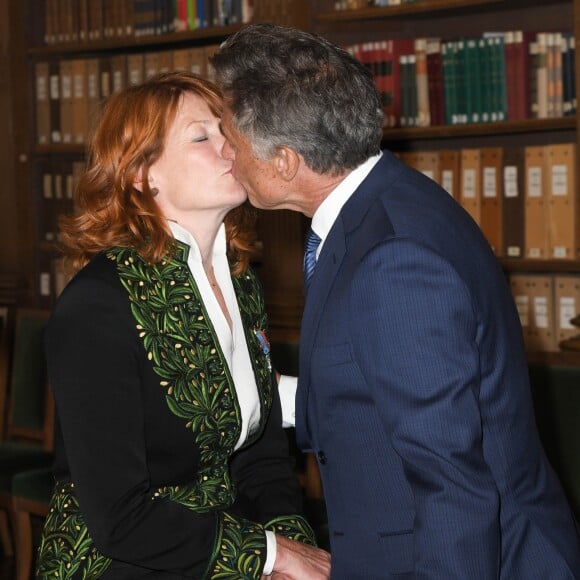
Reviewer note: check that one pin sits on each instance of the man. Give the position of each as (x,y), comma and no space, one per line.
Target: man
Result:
(413,388)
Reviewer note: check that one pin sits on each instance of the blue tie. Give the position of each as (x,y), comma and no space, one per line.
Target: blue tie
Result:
(312,242)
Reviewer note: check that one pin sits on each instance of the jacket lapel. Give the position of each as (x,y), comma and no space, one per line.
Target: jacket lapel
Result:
(363,203)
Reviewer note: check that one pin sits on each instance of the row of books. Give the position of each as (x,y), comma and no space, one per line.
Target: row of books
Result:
(500,76)
(59,182)
(546,305)
(69,92)
(68,21)
(358,4)
(524,199)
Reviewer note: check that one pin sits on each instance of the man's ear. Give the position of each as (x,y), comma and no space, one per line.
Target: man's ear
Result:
(287,162)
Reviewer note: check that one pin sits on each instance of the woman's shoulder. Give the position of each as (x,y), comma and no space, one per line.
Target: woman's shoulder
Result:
(98,278)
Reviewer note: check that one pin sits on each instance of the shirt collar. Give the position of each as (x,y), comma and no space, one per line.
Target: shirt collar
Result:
(326,214)
(183,235)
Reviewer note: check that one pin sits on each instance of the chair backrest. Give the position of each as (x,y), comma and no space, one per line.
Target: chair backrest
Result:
(31,408)
(6,329)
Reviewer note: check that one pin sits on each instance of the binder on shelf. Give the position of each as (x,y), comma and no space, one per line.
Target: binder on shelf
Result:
(54,94)
(66,100)
(563,200)
(60,276)
(106,78)
(48,227)
(42,97)
(150,64)
(197,61)
(542,327)
(537,208)
(79,101)
(470,195)
(135,68)
(567,303)
(513,214)
(118,72)
(449,172)
(208,51)
(165,61)
(491,216)
(519,286)
(426,162)
(93,93)
(182,59)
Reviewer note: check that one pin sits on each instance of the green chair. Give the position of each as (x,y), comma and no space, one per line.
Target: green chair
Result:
(556,394)
(28,443)
(31,493)
(5,350)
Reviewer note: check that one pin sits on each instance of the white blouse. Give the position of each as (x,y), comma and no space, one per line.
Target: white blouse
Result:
(232,341)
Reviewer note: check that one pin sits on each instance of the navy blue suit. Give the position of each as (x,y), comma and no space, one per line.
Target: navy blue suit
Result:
(414,395)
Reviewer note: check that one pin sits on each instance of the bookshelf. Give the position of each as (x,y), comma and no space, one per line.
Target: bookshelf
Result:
(42,170)
(30,162)
(368,30)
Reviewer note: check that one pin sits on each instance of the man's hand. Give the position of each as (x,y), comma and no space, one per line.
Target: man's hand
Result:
(296,561)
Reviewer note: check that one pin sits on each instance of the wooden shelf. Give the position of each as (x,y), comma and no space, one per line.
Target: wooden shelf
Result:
(61,149)
(409,134)
(420,7)
(158,41)
(478,129)
(561,358)
(538,266)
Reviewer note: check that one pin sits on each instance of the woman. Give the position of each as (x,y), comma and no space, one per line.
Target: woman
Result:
(171,461)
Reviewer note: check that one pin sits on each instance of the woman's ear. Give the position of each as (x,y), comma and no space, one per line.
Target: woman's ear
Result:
(138,181)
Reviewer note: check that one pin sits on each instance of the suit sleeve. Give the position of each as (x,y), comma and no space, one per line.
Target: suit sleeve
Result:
(416,330)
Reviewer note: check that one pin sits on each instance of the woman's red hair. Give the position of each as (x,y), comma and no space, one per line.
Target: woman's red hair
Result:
(129,138)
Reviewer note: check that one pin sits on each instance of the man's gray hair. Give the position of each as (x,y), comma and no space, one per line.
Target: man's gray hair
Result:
(286,87)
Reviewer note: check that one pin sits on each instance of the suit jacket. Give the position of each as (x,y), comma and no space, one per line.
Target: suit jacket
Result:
(414,395)
(148,482)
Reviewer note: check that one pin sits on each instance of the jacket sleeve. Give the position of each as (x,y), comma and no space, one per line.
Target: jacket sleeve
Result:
(422,363)
(266,483)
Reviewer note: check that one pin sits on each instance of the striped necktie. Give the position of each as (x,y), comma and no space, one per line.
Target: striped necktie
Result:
(312,242)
